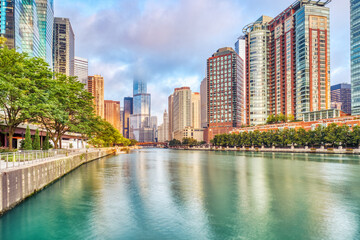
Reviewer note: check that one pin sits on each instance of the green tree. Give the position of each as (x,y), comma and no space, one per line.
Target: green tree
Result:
(28,141)
(68,107)
(271,119)
(22,83)
(46,143)
(36,142)
(174,143)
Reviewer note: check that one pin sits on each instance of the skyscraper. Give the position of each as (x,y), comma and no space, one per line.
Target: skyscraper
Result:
(181,111)
(112,113)
(166,126)
(257,38)
(45,12)
(64,47)
(288,62)
(355,56)
(19,23)
(81,70)
(341,93)
(140,129)
(128,110)
(225,91)
(170,108)
(203,103)
(96,88)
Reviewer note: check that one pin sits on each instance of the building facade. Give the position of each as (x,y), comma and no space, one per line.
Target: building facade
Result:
(225,91)
(341,95)
(140,128)
(288,62)
(181,110)
(195,110)
(355,56)
(112,113)
(128,111)
(203,103)
(81,70)
(63,47)
(96,88)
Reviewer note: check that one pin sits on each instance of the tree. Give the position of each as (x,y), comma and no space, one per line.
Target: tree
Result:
(108,136)
(36,142)
(28,141)
(46,144)
(174,143)
(68,108)
(271,119)
(22,82)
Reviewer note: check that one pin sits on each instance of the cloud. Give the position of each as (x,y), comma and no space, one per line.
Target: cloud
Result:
(167,42)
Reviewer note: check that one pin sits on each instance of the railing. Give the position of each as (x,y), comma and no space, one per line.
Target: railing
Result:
(20,158)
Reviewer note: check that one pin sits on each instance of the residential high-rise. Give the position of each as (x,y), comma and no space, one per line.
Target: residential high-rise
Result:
(64,47)
(45,12)
(170,107)
(195,110)
(96,88)
(225,91)
(166,126)
(341,93)
(240,49)
(355,56)
(112,113)
(128,111)
(181,110)
(122,120)
(288,62)
(257,38)
(203,102)
(81,70)
(140,129)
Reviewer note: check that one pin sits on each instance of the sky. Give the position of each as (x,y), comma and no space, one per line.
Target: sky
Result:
(167,42)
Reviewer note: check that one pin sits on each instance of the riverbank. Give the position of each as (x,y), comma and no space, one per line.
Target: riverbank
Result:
(22,182)
(322,150)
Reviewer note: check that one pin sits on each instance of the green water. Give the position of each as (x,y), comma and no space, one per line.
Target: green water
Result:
(165,194)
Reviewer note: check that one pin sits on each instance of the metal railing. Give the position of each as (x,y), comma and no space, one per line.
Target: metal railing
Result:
(20,158)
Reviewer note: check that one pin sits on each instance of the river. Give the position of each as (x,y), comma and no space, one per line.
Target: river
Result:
(169,194)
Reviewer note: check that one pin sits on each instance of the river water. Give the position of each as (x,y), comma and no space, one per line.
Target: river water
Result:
(167,194)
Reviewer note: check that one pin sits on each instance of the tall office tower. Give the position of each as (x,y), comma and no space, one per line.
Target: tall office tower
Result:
(166,126)
(355,56)
(181,111)
(257,38)
(112,113)
(170,107)
(341,93)
(140,129)
(19,23)
(64,47)
(81,70)
(290,62)
(195,110)
(203,103)
(128,111)
(96,88)
(45,12)
(225,91)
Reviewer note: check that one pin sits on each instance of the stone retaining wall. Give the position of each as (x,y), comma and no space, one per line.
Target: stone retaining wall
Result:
(20,183)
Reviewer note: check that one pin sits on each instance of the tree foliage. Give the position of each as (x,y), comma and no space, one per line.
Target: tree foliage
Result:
(46,144)
(28,141)
(23,81)
(332,135)
(36,142)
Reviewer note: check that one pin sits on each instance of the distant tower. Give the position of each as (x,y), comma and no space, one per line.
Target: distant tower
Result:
(96,88)
(64,47)
(128,111)
(81,70)
(355,56)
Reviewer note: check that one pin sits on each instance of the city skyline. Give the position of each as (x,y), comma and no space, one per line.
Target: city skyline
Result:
(165,60)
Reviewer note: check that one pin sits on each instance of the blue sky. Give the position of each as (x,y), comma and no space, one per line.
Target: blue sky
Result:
(167,42)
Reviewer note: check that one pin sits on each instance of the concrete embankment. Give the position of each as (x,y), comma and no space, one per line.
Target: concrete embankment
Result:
(20,183)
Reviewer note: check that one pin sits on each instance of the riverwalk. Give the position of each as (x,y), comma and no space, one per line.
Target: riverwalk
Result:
(24,179)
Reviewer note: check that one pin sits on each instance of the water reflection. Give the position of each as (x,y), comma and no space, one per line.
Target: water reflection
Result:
(164,194)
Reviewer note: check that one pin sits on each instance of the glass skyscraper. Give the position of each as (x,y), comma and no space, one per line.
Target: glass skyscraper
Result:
(355,56)
(140,128)
(28,25)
